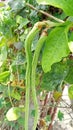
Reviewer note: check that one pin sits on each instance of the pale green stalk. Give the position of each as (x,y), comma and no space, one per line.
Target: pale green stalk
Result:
(33,77)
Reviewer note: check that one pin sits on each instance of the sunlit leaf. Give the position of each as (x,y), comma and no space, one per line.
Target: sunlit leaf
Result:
(4,76)
(15,95)
(13,114)
(70,92)
(56,48)
(70,44)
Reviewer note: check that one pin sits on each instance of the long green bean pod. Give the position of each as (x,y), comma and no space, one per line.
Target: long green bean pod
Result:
(31,67)
(28,43)
(33,76)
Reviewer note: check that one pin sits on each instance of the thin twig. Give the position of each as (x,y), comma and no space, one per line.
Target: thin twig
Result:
(45,13)
(69,114)
(66,103)
(56,106)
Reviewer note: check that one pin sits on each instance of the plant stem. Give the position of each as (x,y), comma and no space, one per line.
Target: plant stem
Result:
(33,76)
(45,13)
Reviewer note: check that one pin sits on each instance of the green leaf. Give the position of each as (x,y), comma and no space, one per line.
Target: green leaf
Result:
(3,88)
(66,5)
(13,114)
(48,118)
(70,92)
(15,95)
(71,37)
(4,76)
(21,21)
(60,115)
(2,102)
(2,40)
(4,52)
(16,5)
(69,77)
(3,55)
(21,121)
(33,113)
(53,79)
(70,43)
(56,47)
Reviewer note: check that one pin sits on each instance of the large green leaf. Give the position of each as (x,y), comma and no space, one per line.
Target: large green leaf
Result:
(66,5)
(53,79)
(56,47)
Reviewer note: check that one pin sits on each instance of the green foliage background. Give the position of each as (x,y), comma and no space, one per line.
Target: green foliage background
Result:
(55,64)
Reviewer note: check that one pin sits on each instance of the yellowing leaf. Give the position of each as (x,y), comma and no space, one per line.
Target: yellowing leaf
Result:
(57,95)
(11,41)
(19,84)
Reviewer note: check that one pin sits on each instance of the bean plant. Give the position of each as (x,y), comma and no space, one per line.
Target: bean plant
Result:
(52,51)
